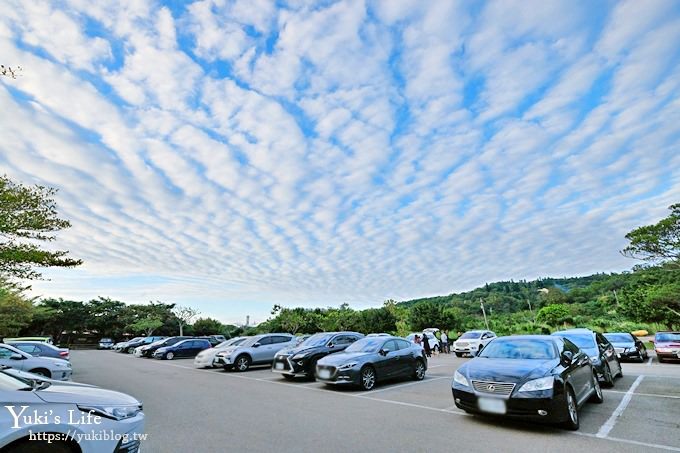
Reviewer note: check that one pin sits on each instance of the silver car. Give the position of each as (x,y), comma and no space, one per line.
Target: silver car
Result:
(45,366)
(257,350)
(40,415)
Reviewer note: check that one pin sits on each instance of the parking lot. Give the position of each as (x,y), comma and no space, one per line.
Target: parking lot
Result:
(190,409)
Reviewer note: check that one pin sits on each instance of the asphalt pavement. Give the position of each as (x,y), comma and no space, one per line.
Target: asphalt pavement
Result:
(205,410)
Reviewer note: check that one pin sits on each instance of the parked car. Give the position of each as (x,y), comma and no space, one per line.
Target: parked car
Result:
(68,411)
(149,349)
(257,350)
(105,343)
(41,339)
(627,346)
(206,358)
(301,338)
(184,348)
(46,366)
(535,377)
(214,339)
(40,349)
(599,349)
(132,344)
(371,360)
(667,345)
(472,341)
(301,360)
(120,345)
(139,350)
(35,380)
(434,343)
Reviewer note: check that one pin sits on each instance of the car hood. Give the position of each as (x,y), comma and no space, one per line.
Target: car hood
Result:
(85,395)
(302,350)
(506,370)
(343,357)
(623,344)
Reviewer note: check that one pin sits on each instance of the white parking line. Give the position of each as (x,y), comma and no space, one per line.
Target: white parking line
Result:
(373,392)
(609,424)
(649,363)
(656,395)
(627,441)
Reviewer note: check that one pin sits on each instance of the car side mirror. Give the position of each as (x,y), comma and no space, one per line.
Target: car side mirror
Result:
(16,357)
(567,357)
(256,345)
(384,351)
(331,345)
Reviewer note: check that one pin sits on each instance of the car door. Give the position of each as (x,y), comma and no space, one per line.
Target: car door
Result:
(579,372)
(184,348)
(6,359)
(392,362)
(608,353)
(260,353)
(406,362)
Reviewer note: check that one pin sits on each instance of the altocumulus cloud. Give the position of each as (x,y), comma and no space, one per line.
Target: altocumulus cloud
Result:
(236,154)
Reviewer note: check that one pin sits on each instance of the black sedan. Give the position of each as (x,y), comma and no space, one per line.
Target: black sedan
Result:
(185,348)
(627,346)
(599,349)
(301,360)
(536,377)
(373,359)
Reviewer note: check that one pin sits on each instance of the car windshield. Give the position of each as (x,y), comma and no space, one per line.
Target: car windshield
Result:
(619,337)
(8,382)
(318,339)
(369,344)
(582,340)
(106,340)
(231,342)
(669,336)
(470,335)
(519,349)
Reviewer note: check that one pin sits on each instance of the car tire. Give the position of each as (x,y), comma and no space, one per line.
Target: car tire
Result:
(419,370)
(459,354)
(608,378)
(169,355)
(32,446)
(367,378)
(42,372)
(597,397)
(242,363)
(572,422)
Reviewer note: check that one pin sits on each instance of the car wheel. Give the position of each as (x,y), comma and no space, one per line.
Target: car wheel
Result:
(170,355)
(597,396)
(41,372)
(419,372)
(288,377)
(572,422)
(242,363)
(608,378)
(459,354)
(367,378)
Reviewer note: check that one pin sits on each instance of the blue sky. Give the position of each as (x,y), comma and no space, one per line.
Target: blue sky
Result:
(231,155)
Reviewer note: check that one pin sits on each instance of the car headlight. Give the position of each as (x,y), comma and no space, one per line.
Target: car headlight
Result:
(114,412)
(347,366)
(458,378)
(536,385)
(299,356)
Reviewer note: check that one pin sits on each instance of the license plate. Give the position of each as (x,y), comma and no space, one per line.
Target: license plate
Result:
(324,374)
(492,405)
(278,366)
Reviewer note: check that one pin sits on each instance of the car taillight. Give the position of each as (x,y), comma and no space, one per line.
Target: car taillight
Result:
(63,354)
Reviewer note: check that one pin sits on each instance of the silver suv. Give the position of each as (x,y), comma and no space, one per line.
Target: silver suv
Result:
(257,350)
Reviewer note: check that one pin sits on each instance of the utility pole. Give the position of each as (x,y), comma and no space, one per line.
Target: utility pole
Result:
(481,304)
(616,297)
(531,310)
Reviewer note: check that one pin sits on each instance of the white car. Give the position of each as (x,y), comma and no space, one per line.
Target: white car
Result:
(434,343)
(206,358)
(50,367)
(72,417)
(472,341)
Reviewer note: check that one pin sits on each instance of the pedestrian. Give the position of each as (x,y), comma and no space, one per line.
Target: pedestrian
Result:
(445,343)
(426,345)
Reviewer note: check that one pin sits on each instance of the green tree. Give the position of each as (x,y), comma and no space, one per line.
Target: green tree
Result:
(208,326)
(15,311)
(430,314)
(656,243)
(29,215)
(146,326)
(554,314)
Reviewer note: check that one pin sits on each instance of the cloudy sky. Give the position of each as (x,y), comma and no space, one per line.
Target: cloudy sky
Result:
(235,154)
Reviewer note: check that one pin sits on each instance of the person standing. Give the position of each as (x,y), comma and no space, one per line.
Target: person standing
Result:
(445,342)
(426,345)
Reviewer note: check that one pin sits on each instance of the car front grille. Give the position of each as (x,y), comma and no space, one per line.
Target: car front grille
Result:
(619,350)
(461,345)
(494,388)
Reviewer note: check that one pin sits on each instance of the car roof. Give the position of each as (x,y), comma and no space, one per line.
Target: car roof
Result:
(581,331)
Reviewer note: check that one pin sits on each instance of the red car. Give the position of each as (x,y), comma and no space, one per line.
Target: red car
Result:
(667,345)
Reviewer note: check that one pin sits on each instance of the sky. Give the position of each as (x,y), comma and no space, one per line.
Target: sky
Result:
(233,155)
